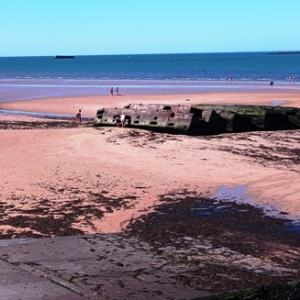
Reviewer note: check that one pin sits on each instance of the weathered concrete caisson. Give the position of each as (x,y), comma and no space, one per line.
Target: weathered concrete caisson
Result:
(156,117)
(201,120)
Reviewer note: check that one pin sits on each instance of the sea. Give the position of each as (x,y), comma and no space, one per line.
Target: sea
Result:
(23,78)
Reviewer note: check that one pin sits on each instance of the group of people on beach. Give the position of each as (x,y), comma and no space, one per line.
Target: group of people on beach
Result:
(116,90)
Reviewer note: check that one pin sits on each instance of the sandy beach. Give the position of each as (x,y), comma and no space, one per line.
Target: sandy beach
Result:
(166,168)
(80,162)
(59,179)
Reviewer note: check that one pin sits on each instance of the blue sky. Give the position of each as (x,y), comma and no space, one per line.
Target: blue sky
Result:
(90,27)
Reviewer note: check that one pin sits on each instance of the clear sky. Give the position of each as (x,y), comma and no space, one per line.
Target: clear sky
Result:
(88,27)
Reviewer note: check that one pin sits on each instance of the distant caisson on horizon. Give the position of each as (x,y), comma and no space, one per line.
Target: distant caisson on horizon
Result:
(63,56)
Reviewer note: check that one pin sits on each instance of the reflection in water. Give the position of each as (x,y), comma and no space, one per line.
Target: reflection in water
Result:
(276,103)
(209,210)
(36,114)
(239,195)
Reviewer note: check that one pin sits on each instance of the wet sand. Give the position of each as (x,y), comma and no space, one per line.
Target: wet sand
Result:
(90,104)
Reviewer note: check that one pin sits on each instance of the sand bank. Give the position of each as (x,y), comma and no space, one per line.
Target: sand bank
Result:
(90,104)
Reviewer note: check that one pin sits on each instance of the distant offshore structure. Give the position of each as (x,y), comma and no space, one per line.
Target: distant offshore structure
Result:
(63,56)
(286,52)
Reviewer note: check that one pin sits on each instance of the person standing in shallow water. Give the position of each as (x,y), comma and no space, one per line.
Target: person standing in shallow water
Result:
(111,91)
(78,118)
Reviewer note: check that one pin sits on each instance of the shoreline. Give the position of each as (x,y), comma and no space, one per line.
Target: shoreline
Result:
(90,104)
(32,89)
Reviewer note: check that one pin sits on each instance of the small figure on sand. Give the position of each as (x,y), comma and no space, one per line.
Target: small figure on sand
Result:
(117,91)
(123,119)
(78,118)
(271,83)
(118,120)
(111,91)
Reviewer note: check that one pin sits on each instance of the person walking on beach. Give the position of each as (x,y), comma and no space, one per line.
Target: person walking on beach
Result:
(112,91)
(117,91)
(123,119)
(78,118)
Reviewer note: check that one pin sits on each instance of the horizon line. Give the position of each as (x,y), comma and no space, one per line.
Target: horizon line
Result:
(164,53)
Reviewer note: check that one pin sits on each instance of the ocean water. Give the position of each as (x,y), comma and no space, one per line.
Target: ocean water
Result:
(40,77)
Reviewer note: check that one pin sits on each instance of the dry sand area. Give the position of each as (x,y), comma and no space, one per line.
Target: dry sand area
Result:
(60,179)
